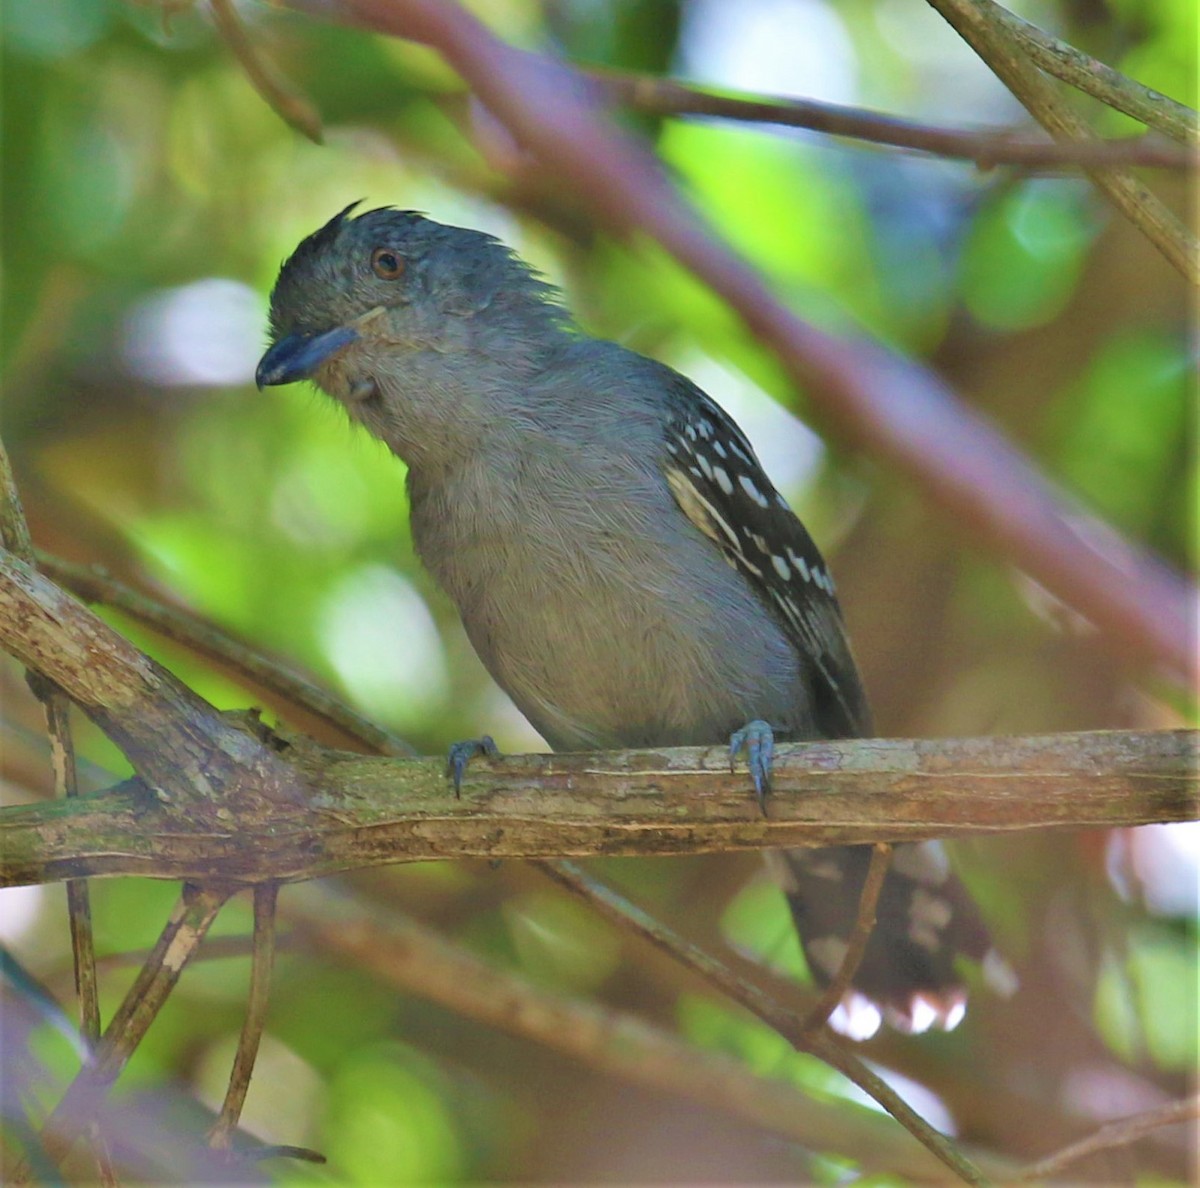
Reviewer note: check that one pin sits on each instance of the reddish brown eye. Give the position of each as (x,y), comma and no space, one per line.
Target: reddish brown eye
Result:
(386,265)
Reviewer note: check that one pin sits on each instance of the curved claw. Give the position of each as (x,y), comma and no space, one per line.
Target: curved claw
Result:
(759,741)
(461,753)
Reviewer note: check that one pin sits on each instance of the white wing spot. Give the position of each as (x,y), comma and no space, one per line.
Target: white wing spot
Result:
(690,430)
(781,567)
(706,429)
(928,915)
(1000,975)
(751,490)
(723,479)
(924,935)
(705,465)
(719,449)
(923,862)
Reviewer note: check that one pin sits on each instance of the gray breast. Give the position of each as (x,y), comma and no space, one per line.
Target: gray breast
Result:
(597,606)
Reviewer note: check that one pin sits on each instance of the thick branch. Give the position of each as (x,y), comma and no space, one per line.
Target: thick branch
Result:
(366,811)
(176,741)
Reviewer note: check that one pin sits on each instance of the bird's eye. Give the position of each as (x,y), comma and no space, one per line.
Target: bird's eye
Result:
(386,265)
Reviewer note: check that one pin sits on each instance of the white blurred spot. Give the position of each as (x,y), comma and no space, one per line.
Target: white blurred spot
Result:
(923,862)
(999,975)
(955,1014)
(19,908)
(922,1099)
(856,1017)
(1051,609)
(382,641)
(780,47)
(1166,861)
(924,1015)
(1105,1092)
(209,332)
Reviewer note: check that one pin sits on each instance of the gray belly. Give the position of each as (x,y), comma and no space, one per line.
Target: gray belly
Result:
(603,644)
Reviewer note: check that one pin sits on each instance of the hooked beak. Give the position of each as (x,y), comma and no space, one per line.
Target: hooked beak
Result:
(297,356)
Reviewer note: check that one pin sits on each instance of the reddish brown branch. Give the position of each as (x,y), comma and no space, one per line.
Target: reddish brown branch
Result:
(987,148)
(875,399)
(1116,1134)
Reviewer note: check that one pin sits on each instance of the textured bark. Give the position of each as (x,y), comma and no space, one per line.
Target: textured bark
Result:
(363,811)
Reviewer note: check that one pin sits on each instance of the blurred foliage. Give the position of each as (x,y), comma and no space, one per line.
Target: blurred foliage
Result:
(148,197)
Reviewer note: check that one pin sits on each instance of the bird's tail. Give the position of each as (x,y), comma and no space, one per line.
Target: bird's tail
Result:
(925,921)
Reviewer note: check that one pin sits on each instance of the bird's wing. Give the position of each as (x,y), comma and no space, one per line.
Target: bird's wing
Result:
(723,490)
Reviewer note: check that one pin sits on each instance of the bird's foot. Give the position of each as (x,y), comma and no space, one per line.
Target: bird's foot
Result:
(758,739)
(461,753)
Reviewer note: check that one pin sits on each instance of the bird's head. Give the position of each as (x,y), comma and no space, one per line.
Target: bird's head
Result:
(386,309)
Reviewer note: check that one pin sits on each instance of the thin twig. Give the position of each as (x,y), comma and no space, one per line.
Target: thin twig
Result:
(981,25)
(864,924)
(1115,1134)
(220,1135)
(185,928)
(656,96)
(186,627)
(1102,82)
(790,1025)
(292,107)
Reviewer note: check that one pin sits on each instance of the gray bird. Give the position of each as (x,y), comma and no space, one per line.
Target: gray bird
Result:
(622,564)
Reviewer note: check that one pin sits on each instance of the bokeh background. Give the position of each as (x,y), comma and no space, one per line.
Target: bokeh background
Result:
(149,196)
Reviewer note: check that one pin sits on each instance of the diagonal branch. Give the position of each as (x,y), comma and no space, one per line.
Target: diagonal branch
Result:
(292,107)
(980,24)
(800,1031)
(175,740)
(1115,1134)
(1101,81)
(221,1133)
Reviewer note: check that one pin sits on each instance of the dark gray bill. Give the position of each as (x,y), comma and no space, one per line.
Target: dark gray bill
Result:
(297,356)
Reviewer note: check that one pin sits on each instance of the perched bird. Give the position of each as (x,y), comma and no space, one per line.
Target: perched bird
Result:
(622,564)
